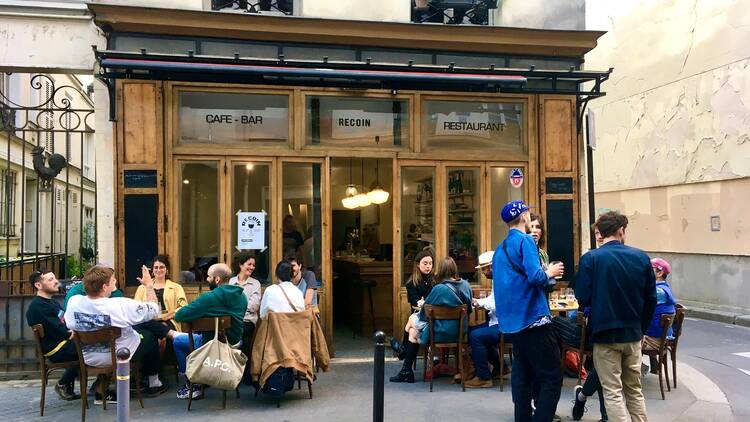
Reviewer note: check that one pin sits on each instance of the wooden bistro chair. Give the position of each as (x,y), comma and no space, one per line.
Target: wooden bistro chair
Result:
(658,349)
(504,348)
(46,367)
(672,343)
(582,322)
(206,325)
(442,313)
(106,335)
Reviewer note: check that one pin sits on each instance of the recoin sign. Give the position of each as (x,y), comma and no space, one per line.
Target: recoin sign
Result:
(251,230)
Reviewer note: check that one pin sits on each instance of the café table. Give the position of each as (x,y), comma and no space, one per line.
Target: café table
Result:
(562,307)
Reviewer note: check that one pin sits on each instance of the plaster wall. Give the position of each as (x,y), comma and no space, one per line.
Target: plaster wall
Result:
(383,10)
(105,174)
(541,14)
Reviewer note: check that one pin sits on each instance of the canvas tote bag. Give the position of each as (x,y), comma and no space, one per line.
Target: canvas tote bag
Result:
(216,364)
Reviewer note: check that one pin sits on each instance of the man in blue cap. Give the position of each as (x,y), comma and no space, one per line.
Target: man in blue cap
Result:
(522,310)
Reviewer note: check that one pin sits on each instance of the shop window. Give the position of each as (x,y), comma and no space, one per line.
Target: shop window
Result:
(473,125)
(232,118)
(464,207)
(357,122)
(503,190)
(417,215)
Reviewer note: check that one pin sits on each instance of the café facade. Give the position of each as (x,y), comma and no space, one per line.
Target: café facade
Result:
(352,144)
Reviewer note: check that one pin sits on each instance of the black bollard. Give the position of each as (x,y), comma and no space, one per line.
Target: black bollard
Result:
(378,381)
(123,384)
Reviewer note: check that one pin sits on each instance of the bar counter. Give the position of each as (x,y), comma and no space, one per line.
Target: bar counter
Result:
(353,300)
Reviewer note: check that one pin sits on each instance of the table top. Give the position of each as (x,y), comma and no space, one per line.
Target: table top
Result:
(563,306)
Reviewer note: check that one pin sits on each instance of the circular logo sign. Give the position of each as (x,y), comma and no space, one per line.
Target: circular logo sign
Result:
(516,178)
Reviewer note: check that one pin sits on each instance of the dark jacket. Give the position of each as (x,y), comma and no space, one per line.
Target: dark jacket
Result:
(49,313)
(422,289)
(443,295)
(617,281)
(224,300)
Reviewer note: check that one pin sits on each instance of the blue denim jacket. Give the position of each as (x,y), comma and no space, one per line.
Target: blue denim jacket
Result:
(520,300)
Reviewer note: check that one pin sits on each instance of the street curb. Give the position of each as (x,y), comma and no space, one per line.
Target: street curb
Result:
(720,316)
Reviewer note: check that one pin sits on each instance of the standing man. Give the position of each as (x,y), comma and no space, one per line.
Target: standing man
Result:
(522,310)
(617,282)
(57,345)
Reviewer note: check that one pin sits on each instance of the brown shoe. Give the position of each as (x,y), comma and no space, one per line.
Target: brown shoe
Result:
(477,382)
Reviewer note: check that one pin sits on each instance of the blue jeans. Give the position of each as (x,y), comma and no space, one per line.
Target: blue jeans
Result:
(483,340)
(181,345)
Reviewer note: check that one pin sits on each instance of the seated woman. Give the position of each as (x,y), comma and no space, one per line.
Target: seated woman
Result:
(665,304)
(451,292)
(171,297)
(245,265)
(418,287)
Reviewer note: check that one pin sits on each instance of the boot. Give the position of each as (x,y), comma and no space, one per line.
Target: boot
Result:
(400,348)
(405,375)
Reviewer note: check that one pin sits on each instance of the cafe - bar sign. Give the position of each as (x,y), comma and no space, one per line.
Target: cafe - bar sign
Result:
(469,124)
(232,125)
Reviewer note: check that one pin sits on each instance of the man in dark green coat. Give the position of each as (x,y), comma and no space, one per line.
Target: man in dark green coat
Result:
(223,299)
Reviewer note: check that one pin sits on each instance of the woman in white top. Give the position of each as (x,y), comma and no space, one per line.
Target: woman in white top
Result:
(282,296)
(245,264)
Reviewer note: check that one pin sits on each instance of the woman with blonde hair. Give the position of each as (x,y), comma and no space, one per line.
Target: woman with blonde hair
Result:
(452,291)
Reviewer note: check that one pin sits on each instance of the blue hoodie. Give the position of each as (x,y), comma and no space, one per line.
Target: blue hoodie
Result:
(442,295)
(519,299)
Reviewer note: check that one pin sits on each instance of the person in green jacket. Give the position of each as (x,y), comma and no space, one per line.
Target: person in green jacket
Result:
(223,299)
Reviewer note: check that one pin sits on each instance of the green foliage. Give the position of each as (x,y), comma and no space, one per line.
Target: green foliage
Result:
(74,267)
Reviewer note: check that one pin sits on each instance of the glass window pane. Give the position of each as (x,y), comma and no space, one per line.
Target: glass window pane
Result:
(199,226)
(475,125)
(317,53)
(463,220)
(301,206)
(217,48)
(397,57)
(502,193)
(251,192)
(230,118)
(343,121)
(154,45)
(417,214)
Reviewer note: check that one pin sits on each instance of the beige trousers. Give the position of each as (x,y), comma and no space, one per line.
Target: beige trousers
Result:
(619,369)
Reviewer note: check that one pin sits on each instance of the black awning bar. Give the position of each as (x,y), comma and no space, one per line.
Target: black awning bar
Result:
(576,76)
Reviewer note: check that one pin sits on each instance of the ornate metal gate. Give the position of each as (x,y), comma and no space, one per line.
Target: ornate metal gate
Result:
(47,197)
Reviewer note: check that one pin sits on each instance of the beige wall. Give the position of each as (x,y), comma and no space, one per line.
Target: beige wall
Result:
(677,112)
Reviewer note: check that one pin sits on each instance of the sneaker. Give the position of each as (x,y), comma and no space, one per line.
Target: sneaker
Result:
(579,406)
(154,391)
(66,392)
(477,382)
(184,392)
(110,395)
(556,418)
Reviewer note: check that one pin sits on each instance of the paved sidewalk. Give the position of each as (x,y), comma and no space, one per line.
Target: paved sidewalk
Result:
(345,394)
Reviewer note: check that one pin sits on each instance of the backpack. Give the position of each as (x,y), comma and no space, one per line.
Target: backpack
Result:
(280,381)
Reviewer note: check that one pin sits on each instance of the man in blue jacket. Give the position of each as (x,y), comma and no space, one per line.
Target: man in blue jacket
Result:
(522,310)
(617,282)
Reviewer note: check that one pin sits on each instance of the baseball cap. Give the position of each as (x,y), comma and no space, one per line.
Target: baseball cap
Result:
(485,259)
(661,265)
(512,210)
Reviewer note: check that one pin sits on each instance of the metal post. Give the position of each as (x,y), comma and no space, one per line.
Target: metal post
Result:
(123,384)
(378,385)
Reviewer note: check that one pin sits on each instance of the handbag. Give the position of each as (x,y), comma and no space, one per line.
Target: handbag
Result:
(216,364)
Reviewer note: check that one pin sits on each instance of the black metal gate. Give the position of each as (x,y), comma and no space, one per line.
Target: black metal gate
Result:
(47,199)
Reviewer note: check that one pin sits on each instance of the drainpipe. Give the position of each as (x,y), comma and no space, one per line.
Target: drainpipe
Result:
(590,177)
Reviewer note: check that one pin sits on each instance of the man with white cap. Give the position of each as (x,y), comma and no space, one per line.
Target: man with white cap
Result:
(483,338)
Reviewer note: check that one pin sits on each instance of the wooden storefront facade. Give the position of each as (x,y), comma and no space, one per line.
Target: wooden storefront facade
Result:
(156,166)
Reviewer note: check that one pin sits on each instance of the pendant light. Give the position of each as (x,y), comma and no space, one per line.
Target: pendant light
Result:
(378,195)
(351,192)
(361,199)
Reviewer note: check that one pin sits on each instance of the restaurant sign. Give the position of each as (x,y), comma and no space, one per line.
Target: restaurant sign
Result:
(476,124)
(251,230)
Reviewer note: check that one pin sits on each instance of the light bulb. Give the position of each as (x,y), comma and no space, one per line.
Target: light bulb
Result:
(351,190)
(362,200)
(349,202)
(249,167)
(378,195)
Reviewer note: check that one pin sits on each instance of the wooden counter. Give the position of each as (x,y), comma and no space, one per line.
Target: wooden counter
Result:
(353,300)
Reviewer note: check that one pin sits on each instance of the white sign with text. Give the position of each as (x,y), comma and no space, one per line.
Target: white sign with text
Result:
(251,230)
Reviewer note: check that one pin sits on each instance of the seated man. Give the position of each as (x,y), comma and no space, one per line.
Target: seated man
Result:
(223,299)
(484,338)
(57,345)
(98,310)
(304,280)
(78,290)
(283,296)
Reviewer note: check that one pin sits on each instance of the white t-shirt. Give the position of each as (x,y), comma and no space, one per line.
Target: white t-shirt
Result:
(488,303)
(275,301)
(85,314)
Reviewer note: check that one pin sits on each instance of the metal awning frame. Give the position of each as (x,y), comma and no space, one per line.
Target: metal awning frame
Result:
(114,65)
